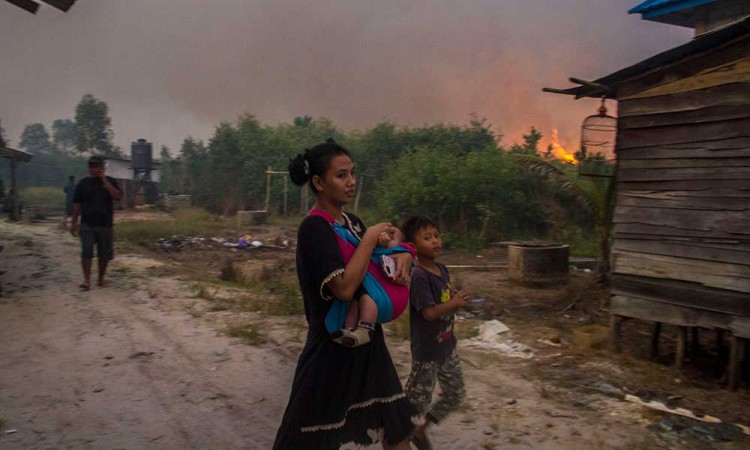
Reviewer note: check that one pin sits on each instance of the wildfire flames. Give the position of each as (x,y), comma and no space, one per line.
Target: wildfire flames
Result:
(559,151)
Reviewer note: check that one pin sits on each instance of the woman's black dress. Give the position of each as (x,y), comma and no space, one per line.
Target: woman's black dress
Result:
(339,394)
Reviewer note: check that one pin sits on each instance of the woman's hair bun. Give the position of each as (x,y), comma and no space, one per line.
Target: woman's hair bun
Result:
(299,170)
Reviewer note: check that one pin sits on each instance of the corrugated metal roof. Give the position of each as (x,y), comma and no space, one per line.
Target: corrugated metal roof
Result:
(18,155)
(654,8)
(33,5)
(607,86)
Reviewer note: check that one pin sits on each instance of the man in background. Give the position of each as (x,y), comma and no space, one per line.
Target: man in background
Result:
(69,190)
(93,203)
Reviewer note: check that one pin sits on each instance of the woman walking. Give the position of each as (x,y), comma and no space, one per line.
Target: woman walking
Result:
(339,394)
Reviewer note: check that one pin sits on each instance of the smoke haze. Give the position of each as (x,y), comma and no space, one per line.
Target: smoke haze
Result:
(173,68)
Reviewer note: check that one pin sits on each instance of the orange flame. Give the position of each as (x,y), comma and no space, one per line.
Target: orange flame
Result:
(559,151)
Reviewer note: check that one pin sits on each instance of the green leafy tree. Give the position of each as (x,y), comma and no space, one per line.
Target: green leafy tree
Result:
(64,135)
(94,127)
(35,139)
(226,164)
(530,143)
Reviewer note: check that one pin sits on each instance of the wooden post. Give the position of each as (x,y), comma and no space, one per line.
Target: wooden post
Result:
(655,340)
(15,213)
(694,343)
(286,187)
(735,358)
(268,187)
(615,325)
(679,356)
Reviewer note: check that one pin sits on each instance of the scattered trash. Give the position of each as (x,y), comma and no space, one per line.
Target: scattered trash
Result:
(243,242)
(510,401)
(491,328)
(11,431)
(550,342)
(220,351)
(491,336)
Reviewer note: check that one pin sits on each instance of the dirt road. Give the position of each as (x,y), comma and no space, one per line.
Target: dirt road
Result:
(114,368)
(129,367)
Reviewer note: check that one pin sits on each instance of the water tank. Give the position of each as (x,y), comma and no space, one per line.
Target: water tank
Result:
(538,263)
(141,155)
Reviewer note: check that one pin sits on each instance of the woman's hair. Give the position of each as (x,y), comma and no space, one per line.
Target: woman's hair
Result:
(314,161)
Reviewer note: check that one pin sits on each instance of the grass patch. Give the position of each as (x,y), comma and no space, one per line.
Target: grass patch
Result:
(185,222)
(217,305)
(43,195)
(584,246)
(249,333)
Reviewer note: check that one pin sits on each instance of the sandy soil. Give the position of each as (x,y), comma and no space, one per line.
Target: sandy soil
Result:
(147,362)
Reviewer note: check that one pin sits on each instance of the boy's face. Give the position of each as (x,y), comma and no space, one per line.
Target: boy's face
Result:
(427,242)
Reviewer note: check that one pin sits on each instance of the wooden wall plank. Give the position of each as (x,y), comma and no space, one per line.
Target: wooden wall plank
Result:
(715,148)
(676,232)
(715,193)
(694,133)
(681,293)
(694,64)
(709,252)
(683,173)
(674,163)
(690,239)
(731,277)
(684,185)
(740,326)
(724,95)
(654,311)
(732,222)
(662,199)
(702,115)
(737,70)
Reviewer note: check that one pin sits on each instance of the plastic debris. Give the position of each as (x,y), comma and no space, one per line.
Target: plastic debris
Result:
(493,335)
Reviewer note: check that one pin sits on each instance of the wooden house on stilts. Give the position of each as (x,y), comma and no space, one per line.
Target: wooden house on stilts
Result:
(681,242)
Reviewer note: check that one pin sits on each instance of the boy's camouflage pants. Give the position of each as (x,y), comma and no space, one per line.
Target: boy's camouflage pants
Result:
(421,384)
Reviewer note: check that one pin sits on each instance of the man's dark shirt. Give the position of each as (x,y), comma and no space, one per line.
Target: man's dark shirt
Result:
(95,201)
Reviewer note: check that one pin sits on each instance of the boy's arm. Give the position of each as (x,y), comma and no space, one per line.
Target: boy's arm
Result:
(459,299)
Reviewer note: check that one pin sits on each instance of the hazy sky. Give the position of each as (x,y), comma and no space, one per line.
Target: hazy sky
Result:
(173,68)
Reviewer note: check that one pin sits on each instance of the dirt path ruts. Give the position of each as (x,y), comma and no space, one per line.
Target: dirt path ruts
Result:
(109,369)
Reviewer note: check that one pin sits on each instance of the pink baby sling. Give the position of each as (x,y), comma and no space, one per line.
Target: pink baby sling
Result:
(390,298)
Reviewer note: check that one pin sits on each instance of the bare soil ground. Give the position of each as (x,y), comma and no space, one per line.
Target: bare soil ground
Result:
(171,357)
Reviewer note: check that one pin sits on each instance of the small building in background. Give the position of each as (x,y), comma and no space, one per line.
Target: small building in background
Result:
(138,176)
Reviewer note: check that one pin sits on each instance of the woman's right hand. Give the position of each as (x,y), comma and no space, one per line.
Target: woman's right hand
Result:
(373,233)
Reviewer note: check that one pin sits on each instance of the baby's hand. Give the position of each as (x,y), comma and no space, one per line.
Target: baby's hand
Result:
(384,239)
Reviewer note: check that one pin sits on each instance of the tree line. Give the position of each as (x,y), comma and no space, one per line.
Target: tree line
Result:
(477,189)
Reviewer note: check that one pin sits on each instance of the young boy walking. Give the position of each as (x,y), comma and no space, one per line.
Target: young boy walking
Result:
(432,307)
